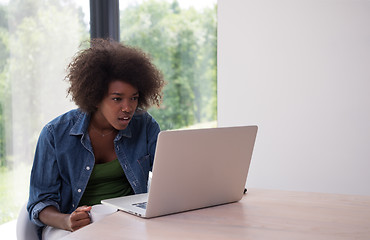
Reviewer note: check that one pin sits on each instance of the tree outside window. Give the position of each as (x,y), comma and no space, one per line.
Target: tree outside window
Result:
(38,38)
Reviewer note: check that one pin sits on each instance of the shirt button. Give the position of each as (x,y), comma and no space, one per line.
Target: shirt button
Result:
(73,205)
(87,168)
(79,190)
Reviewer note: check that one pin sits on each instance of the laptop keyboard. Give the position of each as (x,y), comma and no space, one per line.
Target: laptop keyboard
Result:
(140,205)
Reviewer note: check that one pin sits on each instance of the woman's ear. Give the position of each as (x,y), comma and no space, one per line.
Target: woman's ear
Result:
(97,106)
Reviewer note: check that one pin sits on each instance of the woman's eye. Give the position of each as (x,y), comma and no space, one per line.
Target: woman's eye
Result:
(116,99)
(134,98)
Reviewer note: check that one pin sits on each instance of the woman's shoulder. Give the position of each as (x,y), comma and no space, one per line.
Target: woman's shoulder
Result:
(142,120)
(144,117)
(69,118)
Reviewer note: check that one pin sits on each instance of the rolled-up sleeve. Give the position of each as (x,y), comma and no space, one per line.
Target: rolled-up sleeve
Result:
(34,214)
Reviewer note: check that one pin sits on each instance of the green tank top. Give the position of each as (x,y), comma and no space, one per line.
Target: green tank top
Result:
(107,180)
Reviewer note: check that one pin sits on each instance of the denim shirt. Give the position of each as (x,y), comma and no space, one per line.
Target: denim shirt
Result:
(64,160)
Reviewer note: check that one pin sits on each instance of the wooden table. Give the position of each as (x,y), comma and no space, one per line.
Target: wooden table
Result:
(261,214)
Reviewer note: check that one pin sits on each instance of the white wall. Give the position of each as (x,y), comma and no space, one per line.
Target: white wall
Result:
(300,70)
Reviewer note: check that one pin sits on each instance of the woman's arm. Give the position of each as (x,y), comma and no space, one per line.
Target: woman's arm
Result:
(70,222)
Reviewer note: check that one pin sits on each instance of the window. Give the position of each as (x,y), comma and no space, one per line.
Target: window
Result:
(181,37)
(37,40)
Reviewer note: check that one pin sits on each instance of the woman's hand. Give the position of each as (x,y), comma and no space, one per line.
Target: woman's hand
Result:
(79,218)
(70,222)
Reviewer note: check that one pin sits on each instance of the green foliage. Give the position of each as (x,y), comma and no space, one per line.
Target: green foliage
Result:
(183,44)
(42,36)
(4,86)
(42,41)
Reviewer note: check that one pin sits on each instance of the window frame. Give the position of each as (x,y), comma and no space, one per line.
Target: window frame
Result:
(104,19)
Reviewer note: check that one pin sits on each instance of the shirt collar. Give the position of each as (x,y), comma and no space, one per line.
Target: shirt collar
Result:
(125,132)
(83,121)
(81,125)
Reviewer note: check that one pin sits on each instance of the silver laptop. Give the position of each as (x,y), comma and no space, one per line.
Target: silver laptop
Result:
(194,169)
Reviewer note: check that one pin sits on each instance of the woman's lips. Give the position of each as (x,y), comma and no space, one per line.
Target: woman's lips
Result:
(124,119)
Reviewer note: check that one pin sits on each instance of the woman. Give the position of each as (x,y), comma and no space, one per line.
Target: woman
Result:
(103,149)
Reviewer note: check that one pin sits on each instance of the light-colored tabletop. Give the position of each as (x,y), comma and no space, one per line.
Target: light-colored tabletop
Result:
(261,214)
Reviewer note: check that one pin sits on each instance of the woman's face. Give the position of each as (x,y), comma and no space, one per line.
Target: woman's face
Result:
(118,106)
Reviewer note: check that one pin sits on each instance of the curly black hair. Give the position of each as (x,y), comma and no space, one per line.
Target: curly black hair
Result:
(92,69)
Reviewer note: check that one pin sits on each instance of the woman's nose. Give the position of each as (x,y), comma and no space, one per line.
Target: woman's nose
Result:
(126,106)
